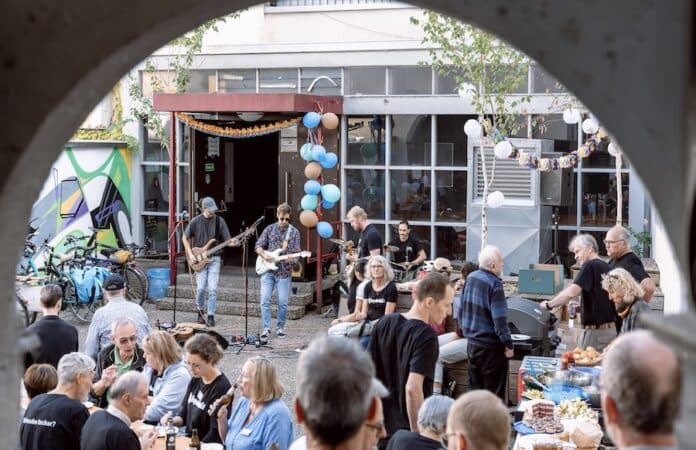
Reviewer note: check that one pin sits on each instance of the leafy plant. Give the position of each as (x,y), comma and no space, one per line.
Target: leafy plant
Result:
(643,242)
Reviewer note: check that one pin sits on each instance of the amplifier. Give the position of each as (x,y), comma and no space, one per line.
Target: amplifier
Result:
(303,271)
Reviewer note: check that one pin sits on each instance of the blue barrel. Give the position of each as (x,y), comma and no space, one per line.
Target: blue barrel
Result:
(159,282)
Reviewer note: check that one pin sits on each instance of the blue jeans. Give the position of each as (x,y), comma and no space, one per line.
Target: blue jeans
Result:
(208,278)
(282,286)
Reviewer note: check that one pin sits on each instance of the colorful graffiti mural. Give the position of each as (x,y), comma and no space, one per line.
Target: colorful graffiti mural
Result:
(88,191)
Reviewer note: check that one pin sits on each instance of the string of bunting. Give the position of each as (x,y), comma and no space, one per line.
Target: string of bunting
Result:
(530,161)
(248,132)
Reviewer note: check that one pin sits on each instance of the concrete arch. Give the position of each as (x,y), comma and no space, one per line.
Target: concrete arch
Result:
(627,60)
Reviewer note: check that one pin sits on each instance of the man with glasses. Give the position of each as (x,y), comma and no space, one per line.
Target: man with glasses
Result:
(123,355)
(278,235)
(477,420)
(617,243)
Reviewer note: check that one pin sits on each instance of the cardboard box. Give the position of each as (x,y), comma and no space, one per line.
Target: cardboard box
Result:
(541,279)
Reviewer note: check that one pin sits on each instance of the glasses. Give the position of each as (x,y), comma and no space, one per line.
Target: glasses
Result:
(284,219)
(608,242)
(444,439)
(125,340)
(376,427)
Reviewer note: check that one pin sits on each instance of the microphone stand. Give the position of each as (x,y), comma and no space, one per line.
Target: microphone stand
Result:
(179,224)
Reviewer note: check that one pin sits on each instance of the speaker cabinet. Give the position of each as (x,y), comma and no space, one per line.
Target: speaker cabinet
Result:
(303,271)
(557,187)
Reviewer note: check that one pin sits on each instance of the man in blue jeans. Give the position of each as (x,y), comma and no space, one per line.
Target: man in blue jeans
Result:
(280,235)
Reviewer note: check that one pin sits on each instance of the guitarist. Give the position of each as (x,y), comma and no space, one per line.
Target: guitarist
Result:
(198,232)
(275,236)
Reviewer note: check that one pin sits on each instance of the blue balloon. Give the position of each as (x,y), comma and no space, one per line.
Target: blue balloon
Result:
(309,202)
(330,192)
(318,153)
(329,161)
(311,119)
(312,187)
(327,204)
(325,229)
(306,151)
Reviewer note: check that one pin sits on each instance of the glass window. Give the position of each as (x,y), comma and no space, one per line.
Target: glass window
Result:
(552,126)
(420,233)
(601,158)
(160,81)
(451,243)
(156,179)
(152,149)
(185,185)
(239,80)
(201,81)
(410,194)
(365,187)
(567,215)
(451,195)
(278,80)
(366,140)
(411,140)
(450,132)
(522,72)
(445,84)
(156,230)
(543,83)
(599,199)
(365,81)
(410,80)
(323,81)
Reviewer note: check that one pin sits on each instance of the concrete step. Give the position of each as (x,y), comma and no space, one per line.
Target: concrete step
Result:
(235,294)
(229,308)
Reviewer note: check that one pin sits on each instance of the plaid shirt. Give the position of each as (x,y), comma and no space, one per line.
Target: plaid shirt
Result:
(99,334)
(272,239)
(482,310)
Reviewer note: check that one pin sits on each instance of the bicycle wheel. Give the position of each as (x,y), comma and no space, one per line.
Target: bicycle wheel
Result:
(22,311)
(136,284)
(83,312)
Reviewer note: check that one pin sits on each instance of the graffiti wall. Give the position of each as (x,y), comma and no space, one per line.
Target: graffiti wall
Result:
(87,191)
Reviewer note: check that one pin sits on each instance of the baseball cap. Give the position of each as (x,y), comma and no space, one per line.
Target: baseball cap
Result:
(442,265)
(209,204)
(114,282)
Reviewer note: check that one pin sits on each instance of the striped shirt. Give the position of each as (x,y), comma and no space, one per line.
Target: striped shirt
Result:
(99,334)
(482,310)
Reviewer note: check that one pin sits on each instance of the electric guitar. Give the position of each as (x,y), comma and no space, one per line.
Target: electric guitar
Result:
(263,266)
(201,255)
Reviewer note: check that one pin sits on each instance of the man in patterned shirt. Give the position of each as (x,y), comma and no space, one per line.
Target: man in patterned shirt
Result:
(275,236)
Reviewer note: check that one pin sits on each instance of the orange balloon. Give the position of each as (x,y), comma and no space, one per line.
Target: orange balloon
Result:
(329,121)
(312,170)
(309,218)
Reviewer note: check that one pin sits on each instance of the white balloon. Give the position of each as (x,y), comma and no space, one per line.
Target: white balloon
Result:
(614,149)
(571,116)
(590,126)
(502,149)
(473,129)
(495,199)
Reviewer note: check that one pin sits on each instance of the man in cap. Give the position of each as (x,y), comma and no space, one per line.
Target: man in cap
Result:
(202,229)
(99,333)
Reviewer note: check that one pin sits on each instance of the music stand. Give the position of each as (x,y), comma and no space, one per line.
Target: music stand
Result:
(554,256)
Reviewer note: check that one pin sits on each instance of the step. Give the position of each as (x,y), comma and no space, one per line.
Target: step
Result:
(229,308)
(227,294)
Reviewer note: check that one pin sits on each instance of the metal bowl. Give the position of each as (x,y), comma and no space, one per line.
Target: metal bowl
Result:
(579,379)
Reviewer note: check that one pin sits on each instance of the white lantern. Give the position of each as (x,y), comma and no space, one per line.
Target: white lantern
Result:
(503,150)
(590,126)
(614,150)
(473,129)
(571,116)
(495,199)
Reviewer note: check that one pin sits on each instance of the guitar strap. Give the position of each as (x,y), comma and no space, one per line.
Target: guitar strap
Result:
(286,241)
(217,228)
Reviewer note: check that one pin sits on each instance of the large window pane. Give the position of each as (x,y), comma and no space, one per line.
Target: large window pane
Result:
(450,131)
(365,188)
(322,81)
(552,126)
(201,81)
(451,243)
(366,140)
(521,72)
(156,231)
(160,81)
(365,81)
(278,80)
(451,195)
(599,199)
(543,83)
(418,232)
(185,184)
(156,179)
(152,149)
(411,140)
(238,80)
(410,194)
(601,158)
(410,81)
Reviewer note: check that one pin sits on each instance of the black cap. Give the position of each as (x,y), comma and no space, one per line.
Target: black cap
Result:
(114,282)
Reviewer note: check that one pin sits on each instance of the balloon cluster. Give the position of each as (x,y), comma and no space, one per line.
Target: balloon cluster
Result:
(318,196)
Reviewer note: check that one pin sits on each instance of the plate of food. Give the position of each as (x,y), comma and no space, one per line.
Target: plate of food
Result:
(588,357)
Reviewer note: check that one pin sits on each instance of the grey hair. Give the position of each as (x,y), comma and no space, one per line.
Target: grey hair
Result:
(128,383)
(432,414)
(333,388)
(585,241)
(122,322)
(72,365)
(388,271)
(624,236)
(488,256)
(377,389)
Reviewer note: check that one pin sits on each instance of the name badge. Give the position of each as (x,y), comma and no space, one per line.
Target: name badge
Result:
(245,432)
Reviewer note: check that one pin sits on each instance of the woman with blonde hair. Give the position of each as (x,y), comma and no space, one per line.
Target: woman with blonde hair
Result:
(260,418)
(166,373)
(627,296)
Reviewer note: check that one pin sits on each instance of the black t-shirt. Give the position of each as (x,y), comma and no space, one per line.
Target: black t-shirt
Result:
(408,251)
(398,347)
(632,264)
(57,338)
(377,300)
(194,408)
(370,239)
(596,307)
(201,230)
(104,431)
(52,421)
(410,440)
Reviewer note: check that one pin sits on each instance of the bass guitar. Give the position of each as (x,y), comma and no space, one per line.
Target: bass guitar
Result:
(263,266)
(201,255)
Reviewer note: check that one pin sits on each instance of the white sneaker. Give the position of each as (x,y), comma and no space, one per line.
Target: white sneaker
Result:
(266,333)
(280,332)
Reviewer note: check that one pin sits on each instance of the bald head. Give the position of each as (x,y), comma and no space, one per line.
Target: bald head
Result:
(617,241)
(643,377)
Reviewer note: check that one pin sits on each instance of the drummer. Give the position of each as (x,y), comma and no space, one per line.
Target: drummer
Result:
(409,252)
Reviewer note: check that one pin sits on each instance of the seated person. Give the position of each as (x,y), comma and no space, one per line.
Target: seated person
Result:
(432,424)
(356,289)
(410,253)
(122,355)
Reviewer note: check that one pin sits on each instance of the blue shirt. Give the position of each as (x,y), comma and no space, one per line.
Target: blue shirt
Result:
(482,310)
(271,424)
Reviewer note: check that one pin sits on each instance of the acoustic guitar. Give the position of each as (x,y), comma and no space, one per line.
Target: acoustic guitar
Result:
(201,255)
(263,266)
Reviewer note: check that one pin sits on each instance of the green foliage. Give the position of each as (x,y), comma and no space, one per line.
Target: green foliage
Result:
(114,132)
(643,241)
(488,69)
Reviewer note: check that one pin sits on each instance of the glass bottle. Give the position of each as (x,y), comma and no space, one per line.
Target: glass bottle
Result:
(195,443)
(170,435)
